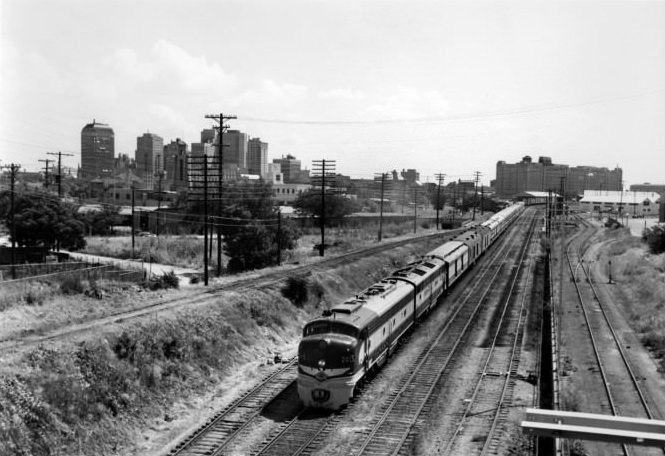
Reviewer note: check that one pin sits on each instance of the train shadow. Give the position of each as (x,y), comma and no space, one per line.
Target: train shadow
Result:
(286,406)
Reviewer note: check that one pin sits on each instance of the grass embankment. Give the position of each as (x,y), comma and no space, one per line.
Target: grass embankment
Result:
(95,397)
(640,283)
(187,251)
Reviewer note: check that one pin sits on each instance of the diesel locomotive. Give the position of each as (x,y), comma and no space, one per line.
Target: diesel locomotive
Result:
(357,336)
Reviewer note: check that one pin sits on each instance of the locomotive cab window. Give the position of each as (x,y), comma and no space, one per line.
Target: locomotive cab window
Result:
(324,327)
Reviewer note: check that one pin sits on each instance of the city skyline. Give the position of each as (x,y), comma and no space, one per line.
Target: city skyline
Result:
(446,87)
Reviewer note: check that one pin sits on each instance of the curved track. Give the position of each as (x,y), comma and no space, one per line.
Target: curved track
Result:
(623,392)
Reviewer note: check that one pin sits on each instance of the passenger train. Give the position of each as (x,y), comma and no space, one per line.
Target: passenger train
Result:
(355,337)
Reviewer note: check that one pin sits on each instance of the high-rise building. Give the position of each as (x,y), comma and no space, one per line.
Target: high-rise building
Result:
(235,149)
(97,150)
(257,157)
(208,135)
(149,158)
(512,179)
(175,164)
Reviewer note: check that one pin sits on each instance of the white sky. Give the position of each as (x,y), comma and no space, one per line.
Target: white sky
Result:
(440,86)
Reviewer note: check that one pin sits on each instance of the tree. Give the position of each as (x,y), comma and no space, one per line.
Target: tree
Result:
(655,238)
(101,223)
(42,220)
(250,226)
(337,207)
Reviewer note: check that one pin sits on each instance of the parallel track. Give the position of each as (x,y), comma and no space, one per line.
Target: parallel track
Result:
(623,398)
(213,437)
(487,408)
(393,432)
(304,434)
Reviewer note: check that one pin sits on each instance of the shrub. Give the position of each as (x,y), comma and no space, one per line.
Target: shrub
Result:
(71,284)
(655,238)
(296,290)
(166,280)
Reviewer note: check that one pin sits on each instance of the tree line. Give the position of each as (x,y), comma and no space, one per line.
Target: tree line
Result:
(249,221)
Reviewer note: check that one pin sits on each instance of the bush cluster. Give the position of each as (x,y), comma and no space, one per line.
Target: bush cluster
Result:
(164,281)
(655,238)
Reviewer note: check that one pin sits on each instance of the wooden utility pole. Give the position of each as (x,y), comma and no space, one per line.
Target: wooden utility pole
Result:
(383,184)
(439,178)
(279,238)
(221,118)
(415,209)
(58,178)
(321,168)
(46,161)
(160,176)
(475,194)
(13,170)
(205,219)
(133,226)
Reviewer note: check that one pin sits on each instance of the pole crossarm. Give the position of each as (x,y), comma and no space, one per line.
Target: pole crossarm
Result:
(592,426)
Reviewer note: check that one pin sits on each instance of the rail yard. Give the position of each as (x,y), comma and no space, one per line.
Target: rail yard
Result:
(458,381)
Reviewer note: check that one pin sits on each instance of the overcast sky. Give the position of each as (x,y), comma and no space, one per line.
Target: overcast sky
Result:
(439,86)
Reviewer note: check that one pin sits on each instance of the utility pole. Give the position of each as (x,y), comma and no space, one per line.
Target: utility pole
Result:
(482,198)
(321,168)
(221,118)
(160,175)
(200,168)
(440,178)
(415,208)
(205,219)
(13,170)
(133,227)
(45,171)
(475,193)
(383,186)
(59,176)
(279,238)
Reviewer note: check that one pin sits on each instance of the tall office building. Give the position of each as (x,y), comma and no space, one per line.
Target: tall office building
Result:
(149,158)
(257,157)
(175,164)
(97,150)
(235,149)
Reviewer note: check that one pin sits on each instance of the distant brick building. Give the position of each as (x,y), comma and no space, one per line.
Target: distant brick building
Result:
(513,179)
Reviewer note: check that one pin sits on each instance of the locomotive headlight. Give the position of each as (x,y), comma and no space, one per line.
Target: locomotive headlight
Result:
(322,363)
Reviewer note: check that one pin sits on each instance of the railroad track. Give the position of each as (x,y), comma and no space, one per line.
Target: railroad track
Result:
(214,436)
(300,431)
(205,295)
(487,408)
(304,433)
(624,395)
(395,429)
